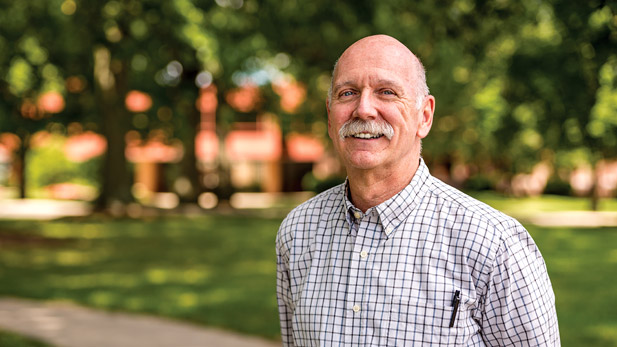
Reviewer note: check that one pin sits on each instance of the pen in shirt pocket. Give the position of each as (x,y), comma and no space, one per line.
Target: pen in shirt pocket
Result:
(456,300)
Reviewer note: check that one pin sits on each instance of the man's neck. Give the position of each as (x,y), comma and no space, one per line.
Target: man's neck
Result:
(369,188)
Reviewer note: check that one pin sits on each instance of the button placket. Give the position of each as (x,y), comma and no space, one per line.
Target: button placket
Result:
(357,278)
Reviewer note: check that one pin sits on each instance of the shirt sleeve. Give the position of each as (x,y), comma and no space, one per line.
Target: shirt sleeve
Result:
(519,307)
(283,291)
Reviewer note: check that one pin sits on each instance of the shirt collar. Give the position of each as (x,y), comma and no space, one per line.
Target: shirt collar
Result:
(395,210)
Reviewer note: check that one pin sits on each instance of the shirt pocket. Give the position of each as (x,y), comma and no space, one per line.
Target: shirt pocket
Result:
(427,323)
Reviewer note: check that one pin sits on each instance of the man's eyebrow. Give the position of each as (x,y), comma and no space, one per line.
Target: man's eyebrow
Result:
(380,82)
(341,85)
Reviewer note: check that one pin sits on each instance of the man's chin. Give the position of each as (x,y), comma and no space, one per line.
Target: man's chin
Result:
(364,162)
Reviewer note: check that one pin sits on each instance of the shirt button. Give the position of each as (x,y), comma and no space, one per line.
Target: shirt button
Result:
(363,254)
(388,230)
(357,214)
(355,308)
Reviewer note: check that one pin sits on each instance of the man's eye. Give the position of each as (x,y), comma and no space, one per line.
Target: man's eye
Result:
(388,92)
(347,93)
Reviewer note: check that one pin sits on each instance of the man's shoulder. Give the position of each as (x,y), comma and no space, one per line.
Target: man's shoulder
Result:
(465,205)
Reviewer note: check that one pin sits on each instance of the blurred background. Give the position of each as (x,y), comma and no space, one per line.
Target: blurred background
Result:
(151,126)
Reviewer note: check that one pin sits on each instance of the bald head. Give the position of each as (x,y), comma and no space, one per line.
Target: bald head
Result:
(378,50)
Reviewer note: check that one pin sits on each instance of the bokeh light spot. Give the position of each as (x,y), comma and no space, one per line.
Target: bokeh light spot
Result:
(68,7)
(51,102)
(137,101)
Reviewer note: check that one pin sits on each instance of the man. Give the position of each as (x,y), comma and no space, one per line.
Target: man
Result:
(395,257)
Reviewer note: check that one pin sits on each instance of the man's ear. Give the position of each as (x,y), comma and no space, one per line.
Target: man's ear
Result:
(328,112)
(328,107)
(426,116)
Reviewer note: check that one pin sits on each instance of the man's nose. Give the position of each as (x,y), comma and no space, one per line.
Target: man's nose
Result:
(366,106)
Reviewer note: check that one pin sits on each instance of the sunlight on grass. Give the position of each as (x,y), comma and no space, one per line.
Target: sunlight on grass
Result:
(195,275)
(84,281)
(171,275)
(157,276)
(72,258)
(603,335)
(612,256)
(188,299)
(102,298)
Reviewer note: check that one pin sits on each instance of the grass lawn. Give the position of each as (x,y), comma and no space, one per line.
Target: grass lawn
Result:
(582,264)
(13,340)
(220,270)
(217,271)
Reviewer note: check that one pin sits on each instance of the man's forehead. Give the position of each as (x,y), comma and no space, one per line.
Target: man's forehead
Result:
(377,53)
(373,70)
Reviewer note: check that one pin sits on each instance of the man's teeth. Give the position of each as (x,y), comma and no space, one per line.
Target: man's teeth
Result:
(367,136)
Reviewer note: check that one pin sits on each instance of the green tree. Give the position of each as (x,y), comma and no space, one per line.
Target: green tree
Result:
(563,81)
(28,70)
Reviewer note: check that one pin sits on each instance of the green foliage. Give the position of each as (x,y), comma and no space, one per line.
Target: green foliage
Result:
(48,165)
(312,183)
(603,123)
(479,183)
(516,82)
(19,76)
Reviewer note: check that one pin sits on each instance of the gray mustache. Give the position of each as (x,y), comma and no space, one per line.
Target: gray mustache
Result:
(356,126)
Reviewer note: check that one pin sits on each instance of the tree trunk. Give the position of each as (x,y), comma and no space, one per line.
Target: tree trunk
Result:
(188,166)
(22,151)
(595,191)
(116,179)
(224,190)
(189,161)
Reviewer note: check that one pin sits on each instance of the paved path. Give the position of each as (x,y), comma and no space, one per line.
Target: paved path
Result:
(42,209)
(578,219)
(68,325)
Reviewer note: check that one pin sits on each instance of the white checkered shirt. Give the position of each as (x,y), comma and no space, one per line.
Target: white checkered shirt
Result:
(388,277)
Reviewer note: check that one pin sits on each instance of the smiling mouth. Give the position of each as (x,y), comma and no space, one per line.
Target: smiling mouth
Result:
(366,136)
(366,130)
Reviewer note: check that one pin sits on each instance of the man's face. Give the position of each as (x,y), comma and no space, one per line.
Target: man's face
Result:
(375,83)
